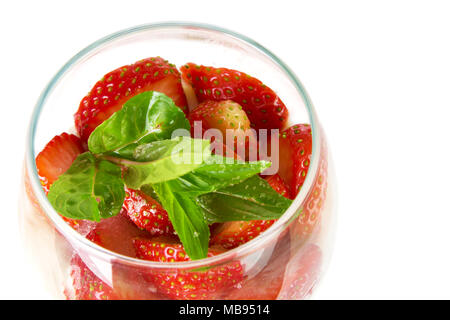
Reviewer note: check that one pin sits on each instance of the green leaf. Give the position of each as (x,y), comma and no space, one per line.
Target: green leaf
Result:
(90,189)
(164,160)
(217,172)
(252,199)
(187,219)
(147,117)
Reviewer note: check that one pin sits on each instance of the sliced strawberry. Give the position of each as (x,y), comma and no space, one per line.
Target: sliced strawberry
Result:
(302,273)
(57,156)
(227,117)
(278,185)
(266,284)
(314,203)
(233,234)
(55,159)
(85,284)
(115,88)
(263,107)
(183,284)
(147,213)
(129,283)
(295,154)
(117,234)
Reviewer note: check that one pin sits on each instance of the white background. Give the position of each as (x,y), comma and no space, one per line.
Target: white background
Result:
(378,73)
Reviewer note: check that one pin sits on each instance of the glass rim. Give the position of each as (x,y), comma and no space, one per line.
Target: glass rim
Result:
(243,250)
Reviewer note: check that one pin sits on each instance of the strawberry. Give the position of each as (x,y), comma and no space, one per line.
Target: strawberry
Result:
(302,273)
(315,200)
(233,234)
(147,213)
(55,159)
(85,284)
(115,88)
(295,153)
(263,107)
(224,116)
(265,284)
(117,234)
(278,185)
(183,284)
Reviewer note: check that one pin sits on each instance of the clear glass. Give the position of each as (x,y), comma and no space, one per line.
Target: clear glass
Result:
(285,262)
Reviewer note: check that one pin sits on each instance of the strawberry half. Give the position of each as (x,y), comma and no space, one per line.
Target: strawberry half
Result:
(234,233)
(295,153)
(224,116)
(85,284)
(115,88)
(182,284)
(147,213)
(55,159)
(302,273)
(278,185)
(117,234)
(263,107)
(57,156)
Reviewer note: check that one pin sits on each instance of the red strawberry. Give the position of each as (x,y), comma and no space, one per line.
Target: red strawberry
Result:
(314,202)
(302,273)
(55,159)
(263,107)
(85,284)
(115,88)
(117,234)
(183,284)
(224,116)
(147,213)
(266,284)
(233,234)
(278,185)
(295,154)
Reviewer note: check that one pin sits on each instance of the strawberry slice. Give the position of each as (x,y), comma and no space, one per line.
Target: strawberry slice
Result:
(302,273)
(278,185)
(57,156)
(295,154)
(183,284)
(266,284)
(117,234)
(234,233)
(115,88)
(85,284)
(55,159)
(147,213)
(263,107)
(224,116)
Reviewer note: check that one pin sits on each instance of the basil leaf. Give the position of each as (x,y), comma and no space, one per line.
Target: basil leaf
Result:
(187,220)
(163,160)
(90,189)
(217,172)
(145,118)
(252,199)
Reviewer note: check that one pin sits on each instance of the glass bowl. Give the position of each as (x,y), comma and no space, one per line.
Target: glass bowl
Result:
(284,262)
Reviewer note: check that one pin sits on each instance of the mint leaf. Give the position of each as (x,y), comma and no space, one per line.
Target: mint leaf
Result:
(217,172)
(90,189)
(145,118)
(164,160)
(252,199)
(187,220)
